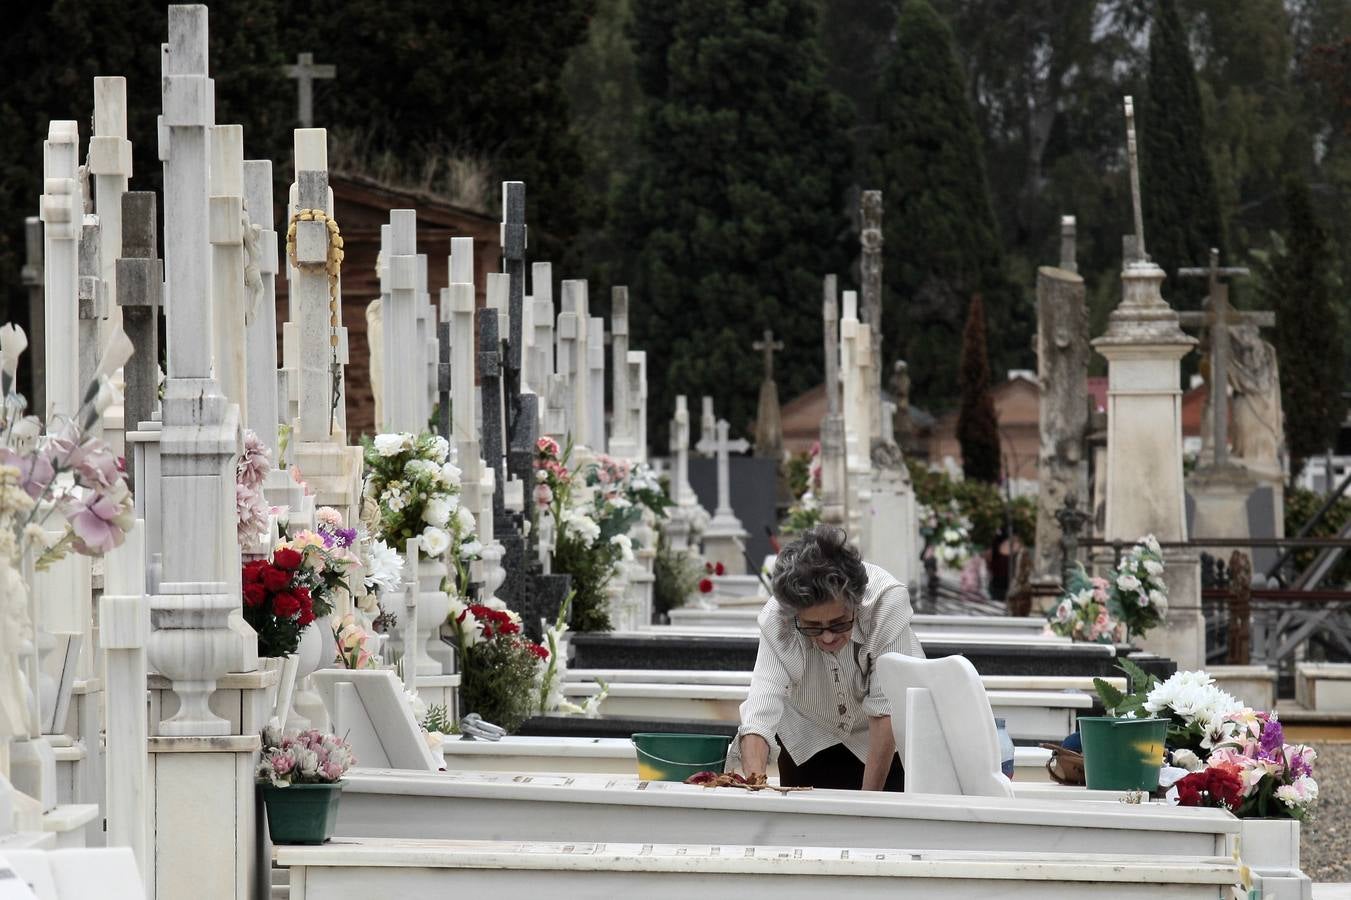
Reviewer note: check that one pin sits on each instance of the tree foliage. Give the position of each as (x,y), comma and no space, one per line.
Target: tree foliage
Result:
(1296,281)
(943,241)
(1181,204)
(736,207)
(977,427)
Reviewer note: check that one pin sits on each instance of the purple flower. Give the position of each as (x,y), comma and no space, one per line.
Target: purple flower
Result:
(100,519)
(35,470)
(1272,740)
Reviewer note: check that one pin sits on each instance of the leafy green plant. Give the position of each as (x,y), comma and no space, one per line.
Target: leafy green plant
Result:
(677,578)
(438,719)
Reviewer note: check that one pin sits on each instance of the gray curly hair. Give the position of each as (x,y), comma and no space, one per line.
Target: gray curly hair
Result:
(817,567)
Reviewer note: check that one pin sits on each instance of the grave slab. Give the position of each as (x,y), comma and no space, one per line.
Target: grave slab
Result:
(351,868)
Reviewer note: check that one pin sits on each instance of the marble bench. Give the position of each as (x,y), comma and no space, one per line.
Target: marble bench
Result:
(658,871)
(1029,715)
(502,806)
(615,756)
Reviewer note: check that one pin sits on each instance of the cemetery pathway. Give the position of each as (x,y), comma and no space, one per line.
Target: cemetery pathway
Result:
(1325,841)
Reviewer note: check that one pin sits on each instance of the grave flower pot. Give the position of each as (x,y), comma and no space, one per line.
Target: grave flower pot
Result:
(302,813)
(1122,754)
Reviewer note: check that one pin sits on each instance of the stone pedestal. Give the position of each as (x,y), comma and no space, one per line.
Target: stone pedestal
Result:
(202,849)
(1219,496)
(1144,347)
(333,473)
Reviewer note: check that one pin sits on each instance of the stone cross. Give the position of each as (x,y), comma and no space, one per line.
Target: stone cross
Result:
(490,384)
(579,370)
(1068,249)
(422,357)
(317,332)
(228,297)
(768,419)
(722,448)
(1217,318)
(399,406)
(681,492)
(513,237)
(33,281)
(870,270)
(623,439)
(110,165)
(856,364)
(260,330)
(833,453)
(568,357)
(93,307)
(459,297)
(595,364)
(1134,244)
(306,72)
(140,286)
(443,368)
(63,220)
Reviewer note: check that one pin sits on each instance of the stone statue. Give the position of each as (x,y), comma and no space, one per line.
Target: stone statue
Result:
(1257,421)
(902,425)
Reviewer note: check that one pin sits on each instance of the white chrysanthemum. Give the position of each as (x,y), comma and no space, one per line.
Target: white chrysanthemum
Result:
(1128,582)
(436,512)
(423,467)
(434,541)
(392,444)
(439,449)
(394,500)
(450,474)
(1154,568)
(625,545)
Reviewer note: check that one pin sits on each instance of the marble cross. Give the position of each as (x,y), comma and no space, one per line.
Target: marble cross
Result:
(110,165)
(637,400)
(317,331)
(541,367)
(681,493)
(708,425)
(93,307)
(579,371)
(833,449)
(722,448)
(33,280)
(1217,318)
(227,262)
(306,72)
(595,364)
(262,414)
(399,406)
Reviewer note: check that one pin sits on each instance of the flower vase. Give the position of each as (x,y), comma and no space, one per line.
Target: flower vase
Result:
(302,813)
(307,710)
(432,606)
(1269,843)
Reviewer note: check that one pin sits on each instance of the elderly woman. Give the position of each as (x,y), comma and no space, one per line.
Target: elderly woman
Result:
(813,695)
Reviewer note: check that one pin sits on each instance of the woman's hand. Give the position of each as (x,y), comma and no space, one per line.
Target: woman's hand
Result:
(754,755)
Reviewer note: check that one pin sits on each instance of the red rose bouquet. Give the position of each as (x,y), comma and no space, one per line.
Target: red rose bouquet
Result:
(276,603)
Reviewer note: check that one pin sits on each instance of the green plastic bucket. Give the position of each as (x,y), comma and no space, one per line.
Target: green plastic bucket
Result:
(675,757)
(302,813)
(1122,754)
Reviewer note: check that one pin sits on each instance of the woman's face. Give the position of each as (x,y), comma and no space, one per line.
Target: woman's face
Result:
(832,612)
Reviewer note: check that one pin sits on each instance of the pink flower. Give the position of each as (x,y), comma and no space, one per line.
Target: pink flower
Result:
(544,495)
(255,462)
(100,519)
(327,515)
(35,470)
(95,463)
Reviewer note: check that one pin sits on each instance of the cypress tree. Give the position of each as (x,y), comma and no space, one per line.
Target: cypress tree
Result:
(1181,203)
(977,427)
(736,208)
(1296,281)
(942,237)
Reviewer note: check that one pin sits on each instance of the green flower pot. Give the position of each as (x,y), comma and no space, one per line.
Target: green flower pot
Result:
(302,813)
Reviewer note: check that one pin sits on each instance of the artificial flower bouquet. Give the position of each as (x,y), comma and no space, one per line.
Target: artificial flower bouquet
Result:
(354,644)
(1139,594)
(251,507)
(277,602)
(412,491)
(310,757)
(1084,613)
(499,666)
(947,534)
(59,469)
(1254,773)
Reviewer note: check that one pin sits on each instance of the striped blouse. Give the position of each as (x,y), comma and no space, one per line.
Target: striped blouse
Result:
(813,700)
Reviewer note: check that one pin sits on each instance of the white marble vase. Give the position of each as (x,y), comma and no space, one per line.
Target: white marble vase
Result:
(307,709)
(432,607)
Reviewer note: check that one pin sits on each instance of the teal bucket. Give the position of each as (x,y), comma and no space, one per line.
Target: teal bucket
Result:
(675,757)
(1122,754)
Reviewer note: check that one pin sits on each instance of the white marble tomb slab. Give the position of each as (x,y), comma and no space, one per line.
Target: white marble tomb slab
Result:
(712,676)
(503,806)
(355,868)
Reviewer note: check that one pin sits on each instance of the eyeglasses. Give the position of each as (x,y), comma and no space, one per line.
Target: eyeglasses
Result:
(818,630)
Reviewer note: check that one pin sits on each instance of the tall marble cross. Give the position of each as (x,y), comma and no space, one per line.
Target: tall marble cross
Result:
(833,449)
(1218,316)
(1134,245)
(317,330)
(623,436)
(870,271)
(33,280)
(262,411)
(306,72)
(63,218)
(399,316)
(110,166)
